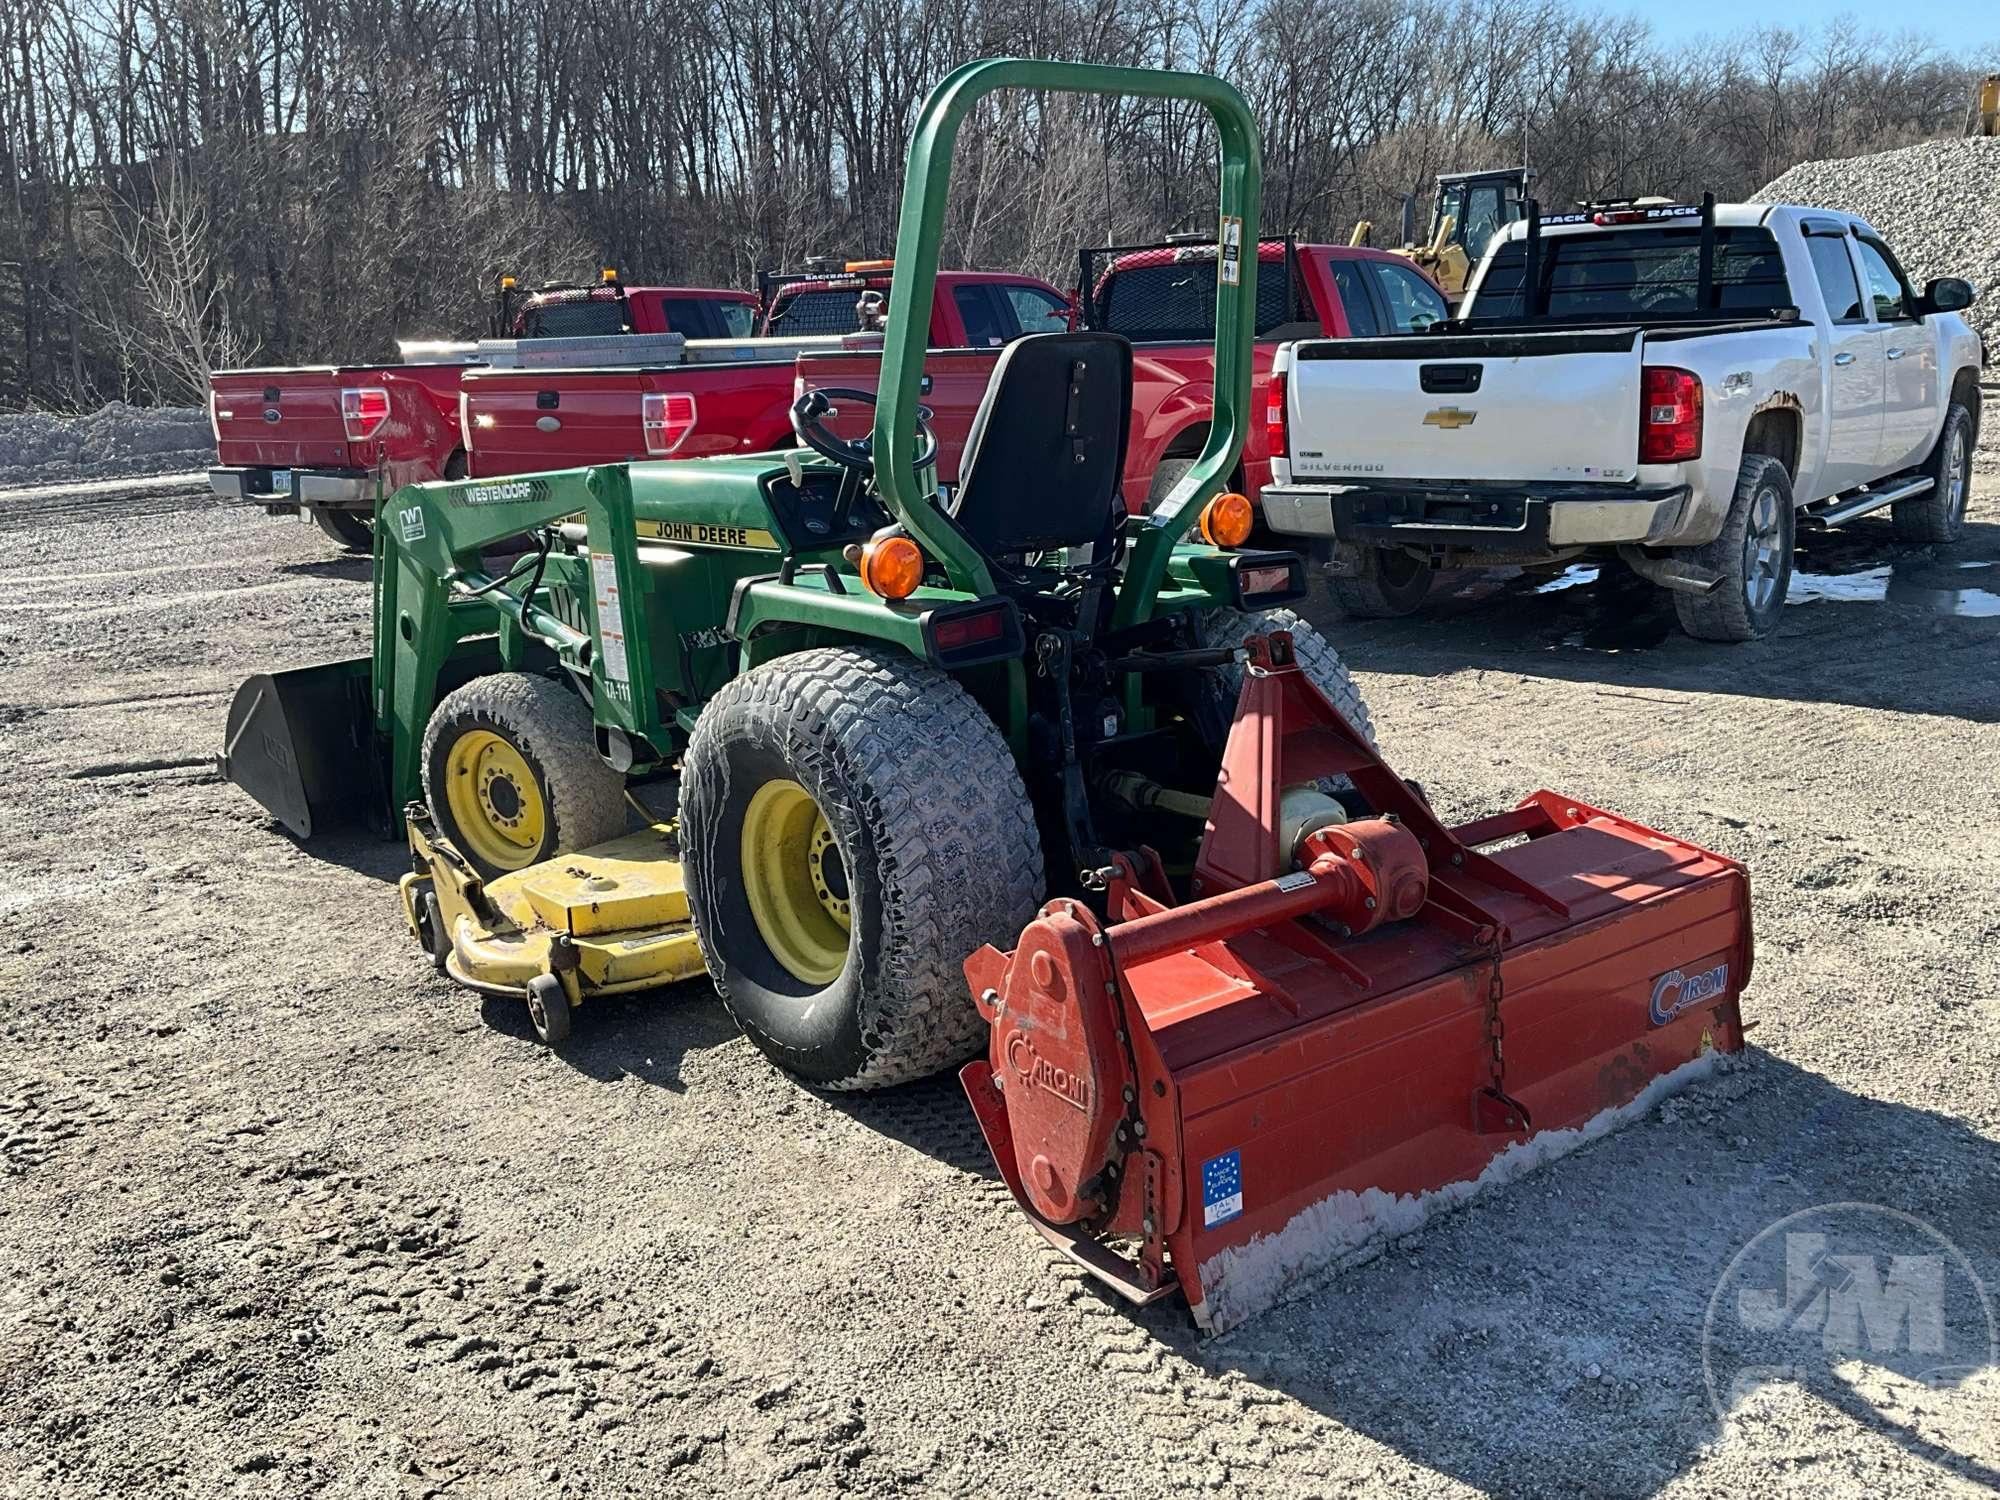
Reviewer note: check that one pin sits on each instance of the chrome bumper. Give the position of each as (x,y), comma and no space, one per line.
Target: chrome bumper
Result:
(1451,515)
(254,485)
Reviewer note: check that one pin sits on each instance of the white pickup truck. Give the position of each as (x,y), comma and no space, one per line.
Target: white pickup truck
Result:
(1684,384)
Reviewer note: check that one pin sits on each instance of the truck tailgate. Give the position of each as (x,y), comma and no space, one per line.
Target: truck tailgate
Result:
(955,383)
(523,421)
(285,418)
(1468,406)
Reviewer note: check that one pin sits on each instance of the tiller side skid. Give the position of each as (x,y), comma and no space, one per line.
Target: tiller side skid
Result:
(1257,1084)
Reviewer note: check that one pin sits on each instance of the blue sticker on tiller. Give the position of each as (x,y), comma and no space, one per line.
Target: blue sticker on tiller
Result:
(1221,1189)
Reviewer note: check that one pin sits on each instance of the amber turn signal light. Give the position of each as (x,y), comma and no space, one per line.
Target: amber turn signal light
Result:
(1225,520)
(892,566)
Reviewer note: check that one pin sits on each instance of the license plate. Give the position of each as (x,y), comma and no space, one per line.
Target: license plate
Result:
(281,482)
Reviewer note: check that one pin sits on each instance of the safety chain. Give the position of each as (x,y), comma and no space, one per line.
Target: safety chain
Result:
(1496,1029)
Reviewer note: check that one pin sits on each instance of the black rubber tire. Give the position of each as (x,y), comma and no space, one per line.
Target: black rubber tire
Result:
(1727,612)
(1390,585)
(934,828)
(1166,475)
(431,932)
(353,529)
(551,727)
(548,1009)
(1317,658)
(1939,514)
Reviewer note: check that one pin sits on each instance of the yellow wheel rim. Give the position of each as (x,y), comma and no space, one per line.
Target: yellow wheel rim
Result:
(796,882)
(495,803)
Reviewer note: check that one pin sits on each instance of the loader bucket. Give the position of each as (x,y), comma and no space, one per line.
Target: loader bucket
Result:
(1325,1043)
(303,744)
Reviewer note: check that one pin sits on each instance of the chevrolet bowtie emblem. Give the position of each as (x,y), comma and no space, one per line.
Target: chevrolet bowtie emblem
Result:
(1449,417)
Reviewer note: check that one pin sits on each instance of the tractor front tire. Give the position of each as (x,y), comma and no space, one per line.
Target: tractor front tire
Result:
(512,774)
(853,828)
(354,530)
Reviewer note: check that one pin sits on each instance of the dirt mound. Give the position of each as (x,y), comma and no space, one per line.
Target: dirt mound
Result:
(1938,204)
(115,441)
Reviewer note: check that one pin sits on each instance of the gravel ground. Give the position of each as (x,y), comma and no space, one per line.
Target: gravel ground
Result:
(1935,203)
(115,441)
(289,1216)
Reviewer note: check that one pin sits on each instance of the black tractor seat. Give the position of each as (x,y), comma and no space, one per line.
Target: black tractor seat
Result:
(1045,457)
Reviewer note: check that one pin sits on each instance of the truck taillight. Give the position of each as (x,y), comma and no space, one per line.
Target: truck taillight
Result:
(668,418)
(214,419)
(1276,439)
(1669,415)
(464,422)
(363,410)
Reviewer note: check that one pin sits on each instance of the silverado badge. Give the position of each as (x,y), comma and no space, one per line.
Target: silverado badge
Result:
(1449,417)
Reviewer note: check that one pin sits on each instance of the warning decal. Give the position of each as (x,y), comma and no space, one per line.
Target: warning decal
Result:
(1229,262)
(610,619)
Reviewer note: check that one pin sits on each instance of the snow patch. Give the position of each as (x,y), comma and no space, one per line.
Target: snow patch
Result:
(1349,1228)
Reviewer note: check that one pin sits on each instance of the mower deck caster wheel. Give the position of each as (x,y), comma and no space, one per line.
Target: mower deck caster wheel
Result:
(548,1009)
(431,930)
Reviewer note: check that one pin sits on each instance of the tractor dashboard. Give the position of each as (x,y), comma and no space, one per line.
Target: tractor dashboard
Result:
(823,508)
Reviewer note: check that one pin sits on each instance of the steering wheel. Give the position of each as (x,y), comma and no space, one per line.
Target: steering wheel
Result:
(858,454)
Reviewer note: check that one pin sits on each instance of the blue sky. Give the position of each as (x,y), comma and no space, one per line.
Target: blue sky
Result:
(1677,20)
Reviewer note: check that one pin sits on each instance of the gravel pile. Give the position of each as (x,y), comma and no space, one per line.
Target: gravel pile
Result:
(113,442)
(1938,205)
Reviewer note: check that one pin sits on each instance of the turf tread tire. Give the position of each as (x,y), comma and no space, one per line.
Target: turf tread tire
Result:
(553,729)
(1317,658)
(901,761)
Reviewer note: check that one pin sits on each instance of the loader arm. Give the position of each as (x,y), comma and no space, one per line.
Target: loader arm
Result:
(921,231)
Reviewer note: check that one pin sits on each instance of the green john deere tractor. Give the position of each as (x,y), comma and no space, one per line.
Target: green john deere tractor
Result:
(790,717)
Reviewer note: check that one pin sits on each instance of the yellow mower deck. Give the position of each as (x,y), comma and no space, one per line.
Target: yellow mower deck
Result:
(603,920)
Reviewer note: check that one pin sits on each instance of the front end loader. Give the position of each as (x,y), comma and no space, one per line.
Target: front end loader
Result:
(798,721)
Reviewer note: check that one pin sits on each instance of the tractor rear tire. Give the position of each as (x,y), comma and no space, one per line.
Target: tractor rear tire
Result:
(512,773)
(1317,659)
(353,530)
(853,828)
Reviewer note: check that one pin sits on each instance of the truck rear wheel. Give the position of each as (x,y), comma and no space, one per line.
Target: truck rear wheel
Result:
(1386,584)
(351,528)
(1753,555)
(512,773)
(1939,514)
(853,828)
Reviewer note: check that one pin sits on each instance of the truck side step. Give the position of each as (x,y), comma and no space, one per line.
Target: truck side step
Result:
(1844,508)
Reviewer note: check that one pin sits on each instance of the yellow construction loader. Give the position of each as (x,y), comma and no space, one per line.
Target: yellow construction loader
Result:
(1984,116)
(1467,208)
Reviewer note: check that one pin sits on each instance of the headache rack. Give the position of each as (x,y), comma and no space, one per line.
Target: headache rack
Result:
(1278,299)
(1618,213)
(565,309)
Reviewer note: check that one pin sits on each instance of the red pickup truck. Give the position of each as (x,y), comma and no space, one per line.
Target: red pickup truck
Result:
(711,397)
(311,437)
(1162,297)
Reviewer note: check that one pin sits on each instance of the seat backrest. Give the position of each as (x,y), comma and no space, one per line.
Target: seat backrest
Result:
(1046,452)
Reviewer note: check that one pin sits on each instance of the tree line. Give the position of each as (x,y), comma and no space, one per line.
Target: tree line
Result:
(186,184)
